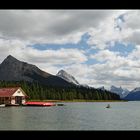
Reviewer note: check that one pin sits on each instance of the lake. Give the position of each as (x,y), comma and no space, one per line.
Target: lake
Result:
(73,116)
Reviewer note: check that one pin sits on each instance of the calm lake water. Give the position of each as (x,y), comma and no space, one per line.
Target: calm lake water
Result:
(73,116)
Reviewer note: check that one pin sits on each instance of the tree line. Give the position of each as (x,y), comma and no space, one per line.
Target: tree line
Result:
(36,91)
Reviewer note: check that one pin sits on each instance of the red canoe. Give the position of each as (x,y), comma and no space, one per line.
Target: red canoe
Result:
(39,104)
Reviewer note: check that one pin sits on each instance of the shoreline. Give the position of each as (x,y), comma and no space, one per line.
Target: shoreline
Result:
(80,100)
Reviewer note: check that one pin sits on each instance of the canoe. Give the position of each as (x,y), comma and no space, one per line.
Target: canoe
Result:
(39,104)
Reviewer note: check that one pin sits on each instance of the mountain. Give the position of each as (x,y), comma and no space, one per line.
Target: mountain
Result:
(66,76)
(133,95)
(102,88)
(120,91)
(85,85)
(12,69)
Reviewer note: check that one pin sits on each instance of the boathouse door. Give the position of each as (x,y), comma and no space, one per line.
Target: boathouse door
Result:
(18,100)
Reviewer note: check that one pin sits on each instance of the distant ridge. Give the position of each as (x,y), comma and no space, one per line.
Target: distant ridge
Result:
(133,95)
(120,91)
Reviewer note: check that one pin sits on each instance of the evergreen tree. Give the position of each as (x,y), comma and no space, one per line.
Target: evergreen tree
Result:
(38,91)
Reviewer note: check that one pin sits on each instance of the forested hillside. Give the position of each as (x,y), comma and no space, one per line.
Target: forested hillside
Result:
(42,92)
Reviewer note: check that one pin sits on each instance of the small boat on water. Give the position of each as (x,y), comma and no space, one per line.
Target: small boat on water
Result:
(108,106)
(2,105)
(60,104)
(39,104)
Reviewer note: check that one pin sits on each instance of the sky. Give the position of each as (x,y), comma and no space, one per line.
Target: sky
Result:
(98,47)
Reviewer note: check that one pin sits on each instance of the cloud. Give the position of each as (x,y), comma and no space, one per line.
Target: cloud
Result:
(13,47)
(47,26)
(106,34)
(20,30)
(116,69)
(41,58)
(131,27)
(104,55)
(55,57)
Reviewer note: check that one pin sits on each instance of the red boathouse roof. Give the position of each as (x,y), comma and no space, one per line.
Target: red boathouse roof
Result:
(8,92)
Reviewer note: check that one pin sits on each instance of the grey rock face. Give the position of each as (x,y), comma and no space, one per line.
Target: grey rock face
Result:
(120,91)
(12,69)
(102,88)
(64,75)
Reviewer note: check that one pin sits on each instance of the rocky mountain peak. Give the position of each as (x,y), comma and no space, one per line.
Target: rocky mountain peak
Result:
(120,91)
(102,88)
(10,58)
(66,76)
(62,72)
(136,89)
(11,69)
(113,87)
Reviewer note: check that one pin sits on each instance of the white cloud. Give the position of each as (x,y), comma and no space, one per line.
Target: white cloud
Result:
(13,47)
(55,57)
(104,55)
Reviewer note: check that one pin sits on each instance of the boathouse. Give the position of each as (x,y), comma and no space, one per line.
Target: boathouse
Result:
(12,96)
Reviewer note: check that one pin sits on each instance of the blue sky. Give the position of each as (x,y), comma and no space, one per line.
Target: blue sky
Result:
(97,47)
(124,50)
(81,45)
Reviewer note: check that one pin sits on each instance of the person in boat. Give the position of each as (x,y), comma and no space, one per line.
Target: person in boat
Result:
(108,106)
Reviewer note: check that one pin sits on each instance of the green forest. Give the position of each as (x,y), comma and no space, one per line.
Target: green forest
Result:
(36,91)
